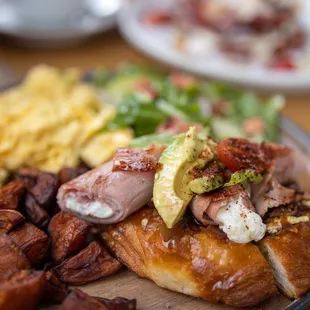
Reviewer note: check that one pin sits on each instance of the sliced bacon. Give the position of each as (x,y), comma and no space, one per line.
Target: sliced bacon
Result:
(205,207)
(137,160)
(270,194)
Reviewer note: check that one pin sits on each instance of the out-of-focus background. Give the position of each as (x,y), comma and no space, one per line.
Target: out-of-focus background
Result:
(176,34)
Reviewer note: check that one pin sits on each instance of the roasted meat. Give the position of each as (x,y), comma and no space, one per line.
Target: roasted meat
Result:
(45,189)
(78,300)
(9,219)
(11,257)
(21,290)
(55,291)
(11,194)
(68,235)
(92,263)
(35,213)
(32,241)
(118,303)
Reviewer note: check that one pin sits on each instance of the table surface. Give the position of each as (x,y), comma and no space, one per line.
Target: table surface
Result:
(109,49)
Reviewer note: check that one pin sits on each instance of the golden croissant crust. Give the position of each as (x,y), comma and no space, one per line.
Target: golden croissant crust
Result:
(194,260)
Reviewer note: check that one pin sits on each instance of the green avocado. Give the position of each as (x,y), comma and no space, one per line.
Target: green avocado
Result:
(206,184)
(171,193)
(208,179)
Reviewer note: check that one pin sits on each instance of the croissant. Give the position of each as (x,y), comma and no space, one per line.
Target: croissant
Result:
(190,259)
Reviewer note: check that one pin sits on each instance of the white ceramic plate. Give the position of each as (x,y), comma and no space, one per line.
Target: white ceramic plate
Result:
(98,16)
(158,43)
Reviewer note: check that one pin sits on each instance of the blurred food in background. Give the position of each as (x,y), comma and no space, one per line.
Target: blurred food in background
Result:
(265,32)
(152,102)
(53,119)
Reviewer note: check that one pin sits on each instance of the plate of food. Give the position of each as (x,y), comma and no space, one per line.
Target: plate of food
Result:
(171,192)
(262,44)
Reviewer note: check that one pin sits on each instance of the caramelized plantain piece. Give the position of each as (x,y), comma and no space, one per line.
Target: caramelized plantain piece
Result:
(119,303)
(68,235)
(55,291)
(67,174)
(78,300)
(21,290)
(36,214)
(28,176)
(11,257)
(11,194)
(9,219)
(45,189)
(32,241)
(92,263)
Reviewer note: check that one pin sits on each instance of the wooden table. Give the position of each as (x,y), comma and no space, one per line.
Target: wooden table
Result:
(108,50)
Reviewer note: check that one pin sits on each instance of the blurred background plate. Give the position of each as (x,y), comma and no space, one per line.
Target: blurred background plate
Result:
(97,16)
(158,43)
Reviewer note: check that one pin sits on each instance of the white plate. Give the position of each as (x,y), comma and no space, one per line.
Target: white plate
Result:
(98,16)
(158,43)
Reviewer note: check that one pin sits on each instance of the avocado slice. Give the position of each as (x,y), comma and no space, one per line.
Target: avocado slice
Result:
(211,178)
(171,193)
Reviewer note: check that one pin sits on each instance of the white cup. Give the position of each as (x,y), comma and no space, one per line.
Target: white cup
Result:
(48,11)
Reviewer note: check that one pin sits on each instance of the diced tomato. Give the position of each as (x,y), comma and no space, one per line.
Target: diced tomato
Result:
(283,64)
(182,80)
(239,154)
(145,86)
(254,126)
(157,18)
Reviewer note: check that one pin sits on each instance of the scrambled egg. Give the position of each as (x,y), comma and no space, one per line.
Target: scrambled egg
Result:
(53,118)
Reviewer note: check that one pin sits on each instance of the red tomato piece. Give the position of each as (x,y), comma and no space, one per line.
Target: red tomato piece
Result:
(240,154)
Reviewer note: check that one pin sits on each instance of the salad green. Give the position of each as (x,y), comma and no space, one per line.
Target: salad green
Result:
(145,98)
